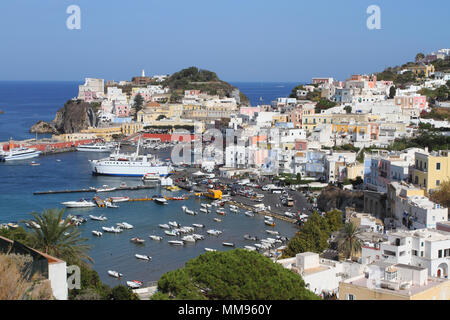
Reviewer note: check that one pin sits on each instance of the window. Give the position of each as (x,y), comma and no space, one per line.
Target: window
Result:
(421,253)
(438,166)
(350,297)
(438,182)
(439,253)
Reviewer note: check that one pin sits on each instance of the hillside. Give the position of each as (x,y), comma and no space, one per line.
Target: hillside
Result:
(206,81)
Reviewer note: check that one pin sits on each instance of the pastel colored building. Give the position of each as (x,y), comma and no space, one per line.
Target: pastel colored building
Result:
(431,169)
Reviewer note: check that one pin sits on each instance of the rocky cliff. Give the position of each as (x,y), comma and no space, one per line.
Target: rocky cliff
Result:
(75,116)
(332,197)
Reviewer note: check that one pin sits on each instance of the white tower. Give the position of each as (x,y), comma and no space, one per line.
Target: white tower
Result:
(143,73)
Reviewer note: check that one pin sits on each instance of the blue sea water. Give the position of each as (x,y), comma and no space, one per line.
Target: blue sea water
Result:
(26,102)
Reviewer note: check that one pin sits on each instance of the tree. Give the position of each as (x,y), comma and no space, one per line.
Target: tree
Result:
(348,109)
(121,292)
(419,56)
(392,91)
(348,242)
(138,103)
(233,275)
(57,237)
(442,195)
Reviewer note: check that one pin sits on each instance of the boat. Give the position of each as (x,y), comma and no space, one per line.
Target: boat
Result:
(105,188)
(272,232)
(32,224)
(114,274)
(131,165)
(82,203)
(188,239)
(269,218)
(249,214)
(109,204)
(152,178)
(164,226)
(160,200)
(269,223)
(228,244)
(112,230)
(135,284)
(125,225)
(174,224)
(217,220)
(119,199)
(143,257)
(156,238)
(221,212)
(248,237)
(98,218)
(97,233)
(198,237)
(176,242)
(214,232)
(172,233)
(235,210)
(251,248)
(21,153)
(208,206)
(210,250)
(190,212)
(198,225)
(137,240)
(204,210)
(97,147)
(33,163)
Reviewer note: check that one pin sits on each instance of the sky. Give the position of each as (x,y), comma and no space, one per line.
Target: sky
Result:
(240,40)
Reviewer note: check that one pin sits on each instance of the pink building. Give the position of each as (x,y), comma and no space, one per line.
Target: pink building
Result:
(406,102)
(250,111)
(121,110)
(301,145)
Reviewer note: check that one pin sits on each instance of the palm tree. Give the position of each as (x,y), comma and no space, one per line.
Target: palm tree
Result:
(57,237)
(348,241)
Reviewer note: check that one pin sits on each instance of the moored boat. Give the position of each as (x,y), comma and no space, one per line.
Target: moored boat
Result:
(197,225)
(98,218)
(156,238)
(137,240)
(228,244)
(210,250)
(176,242)
(143,257)
(82,203)
(135,284)
(119,199)
(97,233)
(115,274)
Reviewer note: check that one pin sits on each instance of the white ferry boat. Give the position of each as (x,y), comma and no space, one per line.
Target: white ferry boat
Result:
(19,154)
(130,165)
(95,147)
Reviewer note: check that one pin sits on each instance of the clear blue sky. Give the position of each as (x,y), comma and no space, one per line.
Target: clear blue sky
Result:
(241,40)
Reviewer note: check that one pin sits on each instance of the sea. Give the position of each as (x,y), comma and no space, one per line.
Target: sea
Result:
(24,103)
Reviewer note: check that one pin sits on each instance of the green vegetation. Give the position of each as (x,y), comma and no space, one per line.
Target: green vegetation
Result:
(434,141)
(392,91)
(348,242)
(419,56)
(324,104)
(138,104)
(442,65)
(198,79)
(436,113)
(232,275)
(442,195)
(348,109)
(314,234)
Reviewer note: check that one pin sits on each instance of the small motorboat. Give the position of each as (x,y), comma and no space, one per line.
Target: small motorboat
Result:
(137,240)
(220,212)
(174,224)
(272,232)
(156,238)
(135,284)
(176,242)
(79,204)
(208,206)
(110,204)
(105,188)
(252,238)
(210,250)
(190,212)
(125,225)
(203,205)
(186,229)
(269,218)
(112,230)
(249,214)
(164,226)
(143,257)
(97,233)
(269,223)
(32,224)
(235,210)
(214,232)
(183,208)
(119,199)
(228,244)
(98,218)
(217,220)
(172,233)
(114,274)
(12,225)
(197,225)
(33,163)
(188,239)
(160,200)
(203,210)
(251,248)
(198,237)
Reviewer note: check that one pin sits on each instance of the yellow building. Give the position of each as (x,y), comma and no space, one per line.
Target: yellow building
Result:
(355,170)
(72,137)
(310,121)
(131,128)
(422,70)
(432,169)
(105,133)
